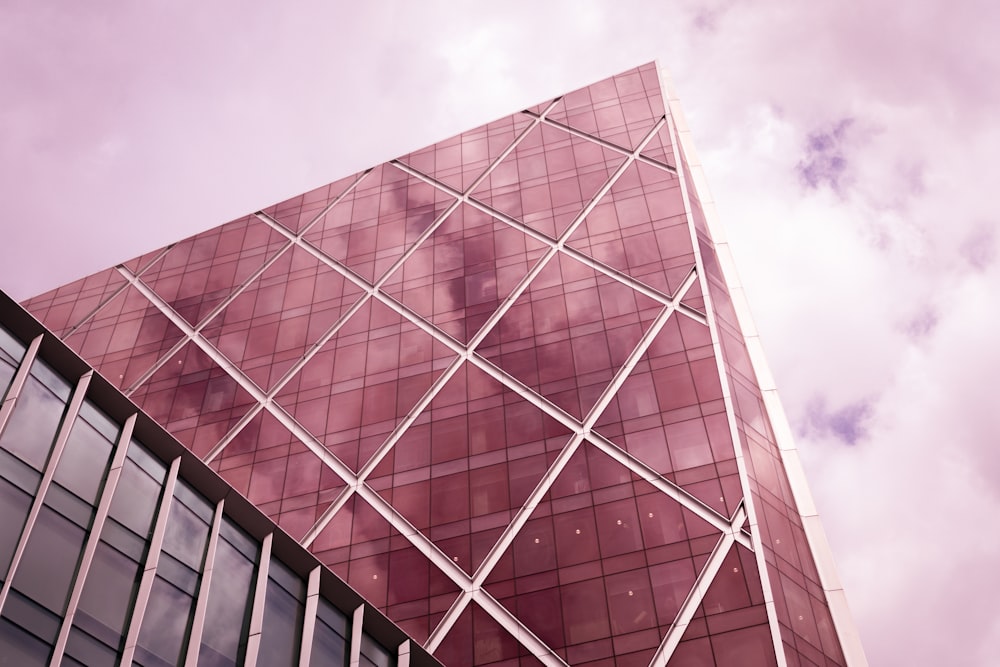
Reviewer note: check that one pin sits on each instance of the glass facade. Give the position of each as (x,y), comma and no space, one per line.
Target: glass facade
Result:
(498,385)
(112,556)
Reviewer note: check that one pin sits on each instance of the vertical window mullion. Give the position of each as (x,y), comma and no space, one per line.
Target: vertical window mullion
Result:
(259,597)
(17,383)
(201,604)
(69,417)
(149,572)
(104,505)
(309,622)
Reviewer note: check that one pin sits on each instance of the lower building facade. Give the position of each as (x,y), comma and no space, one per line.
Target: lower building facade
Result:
(118,546)
(504,386)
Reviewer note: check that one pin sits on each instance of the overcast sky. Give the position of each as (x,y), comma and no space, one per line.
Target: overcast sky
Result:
(851,149)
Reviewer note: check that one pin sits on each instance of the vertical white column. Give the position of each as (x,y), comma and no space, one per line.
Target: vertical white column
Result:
(75,401)
(149,573)
(90,548)
(259,597)
(201,605)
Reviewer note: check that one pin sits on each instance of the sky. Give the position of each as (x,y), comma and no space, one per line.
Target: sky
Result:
(851,149)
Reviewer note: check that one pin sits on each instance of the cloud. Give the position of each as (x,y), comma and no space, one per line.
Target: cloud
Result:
(824,162)
(848,423)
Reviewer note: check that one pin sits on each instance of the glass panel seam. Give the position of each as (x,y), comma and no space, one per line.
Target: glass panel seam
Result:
(309,620)
(93,539)
(603,142)
(69,417)
(447,621)
(519,631)
(326,209)
(152,560)
(695,596)
(598,266)
(18,381)
(89,316)
(204,588)
(259,598)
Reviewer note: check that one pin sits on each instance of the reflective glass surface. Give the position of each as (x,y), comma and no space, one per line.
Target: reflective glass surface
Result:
(347,304)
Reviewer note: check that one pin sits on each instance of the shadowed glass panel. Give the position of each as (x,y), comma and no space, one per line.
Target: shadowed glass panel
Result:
(230,594)
(283,614)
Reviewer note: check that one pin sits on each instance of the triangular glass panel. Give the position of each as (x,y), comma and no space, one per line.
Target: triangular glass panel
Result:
(281,476)
(568,334)
(477,639)
(297,212)
(661,147)
(371,227)
(193,398)
(460,275)
(548,178)
(468,463)
(363,381)
(199,272)
(669,413)
(639,228)
(459,161)
(621,109)
(66,307)
(730,627)
(603,559)
(125,338)
(361,547)
(280,315)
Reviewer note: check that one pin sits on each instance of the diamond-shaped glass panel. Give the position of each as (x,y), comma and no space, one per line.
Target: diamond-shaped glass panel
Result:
(468,463)
(568,334)
(280,315)
(125,338)
(371,227)
(357,388)
(548,178)
(477,639)
(200,271)
(369,554)
(459,161)
(459,276)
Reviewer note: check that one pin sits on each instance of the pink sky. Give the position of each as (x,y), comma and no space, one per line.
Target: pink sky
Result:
(851,149)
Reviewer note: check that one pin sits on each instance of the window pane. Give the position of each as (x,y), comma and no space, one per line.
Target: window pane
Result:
(82,649)
(135,500)
(14,507)
(32,427)
(330,644)
(111,584)
(164,625)
(20,648)
(49,561)
(227,621)
(279,641)
(84,461)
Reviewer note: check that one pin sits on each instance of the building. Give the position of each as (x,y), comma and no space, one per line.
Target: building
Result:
(504,386)
(118,546)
